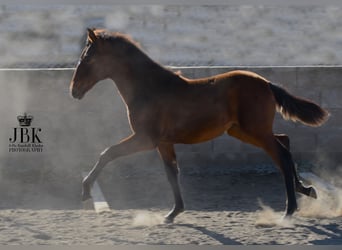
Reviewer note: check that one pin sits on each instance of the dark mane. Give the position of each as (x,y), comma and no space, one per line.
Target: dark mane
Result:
(116,36)
(124,38)
(129,41)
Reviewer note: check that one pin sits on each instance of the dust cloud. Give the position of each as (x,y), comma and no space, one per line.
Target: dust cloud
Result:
(329,196)
(267,217)
(147,219)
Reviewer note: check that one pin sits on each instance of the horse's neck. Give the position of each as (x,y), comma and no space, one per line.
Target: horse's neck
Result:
(138,79)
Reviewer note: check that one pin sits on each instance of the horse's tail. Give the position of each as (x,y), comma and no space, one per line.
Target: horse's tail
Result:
(298,109)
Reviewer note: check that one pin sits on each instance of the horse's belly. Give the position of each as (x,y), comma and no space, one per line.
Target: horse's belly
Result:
(196,120)
(198,133)
(201,136)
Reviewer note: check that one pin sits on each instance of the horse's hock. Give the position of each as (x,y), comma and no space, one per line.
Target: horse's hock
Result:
(75,132)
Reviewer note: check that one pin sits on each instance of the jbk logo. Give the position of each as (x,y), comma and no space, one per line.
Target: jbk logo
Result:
(25,138)
(25,135)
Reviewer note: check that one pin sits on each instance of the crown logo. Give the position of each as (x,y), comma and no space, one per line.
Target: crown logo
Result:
(25,120)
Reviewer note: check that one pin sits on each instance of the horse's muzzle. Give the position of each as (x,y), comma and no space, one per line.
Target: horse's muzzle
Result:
(76,94)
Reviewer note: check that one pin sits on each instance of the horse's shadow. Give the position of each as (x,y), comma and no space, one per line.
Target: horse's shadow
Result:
(332,231)
(216,236)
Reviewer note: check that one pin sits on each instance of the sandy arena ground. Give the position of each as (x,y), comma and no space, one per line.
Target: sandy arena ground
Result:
(229,209)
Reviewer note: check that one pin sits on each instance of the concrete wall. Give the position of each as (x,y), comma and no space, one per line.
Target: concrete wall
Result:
(75,132)
(47,34)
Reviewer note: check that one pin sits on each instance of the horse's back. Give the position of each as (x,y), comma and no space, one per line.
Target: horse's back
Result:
(241,77)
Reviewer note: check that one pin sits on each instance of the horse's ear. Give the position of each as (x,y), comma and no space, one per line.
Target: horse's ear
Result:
(91,35)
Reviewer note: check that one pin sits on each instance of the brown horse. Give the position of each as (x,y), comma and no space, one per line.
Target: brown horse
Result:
(165,108)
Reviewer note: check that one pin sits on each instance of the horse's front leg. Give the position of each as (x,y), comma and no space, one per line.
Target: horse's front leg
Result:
(134,143)
(168,155)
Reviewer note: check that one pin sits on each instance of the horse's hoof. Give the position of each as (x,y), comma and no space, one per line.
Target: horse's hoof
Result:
(287,216)
(88,204)
(168,220)
(313,193)
(86,197)
(173,213)
(290,211)
(86,193)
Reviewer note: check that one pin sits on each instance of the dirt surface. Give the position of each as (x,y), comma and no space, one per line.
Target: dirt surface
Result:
(229,209)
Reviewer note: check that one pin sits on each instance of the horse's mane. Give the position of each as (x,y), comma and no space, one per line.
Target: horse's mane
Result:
(115,36)
(129,41)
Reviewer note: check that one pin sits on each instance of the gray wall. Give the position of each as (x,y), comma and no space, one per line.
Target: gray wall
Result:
(49,34)
(75,132)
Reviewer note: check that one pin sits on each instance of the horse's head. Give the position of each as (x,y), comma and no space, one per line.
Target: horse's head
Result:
(91,66)
(106,55)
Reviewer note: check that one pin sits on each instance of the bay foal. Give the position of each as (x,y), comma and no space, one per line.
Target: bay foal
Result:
(165,108)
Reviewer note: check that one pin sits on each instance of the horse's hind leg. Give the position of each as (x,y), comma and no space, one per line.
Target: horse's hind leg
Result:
(283,139)
(128,146)
(309,191)
(282,157)
(279,154)
(168,155)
